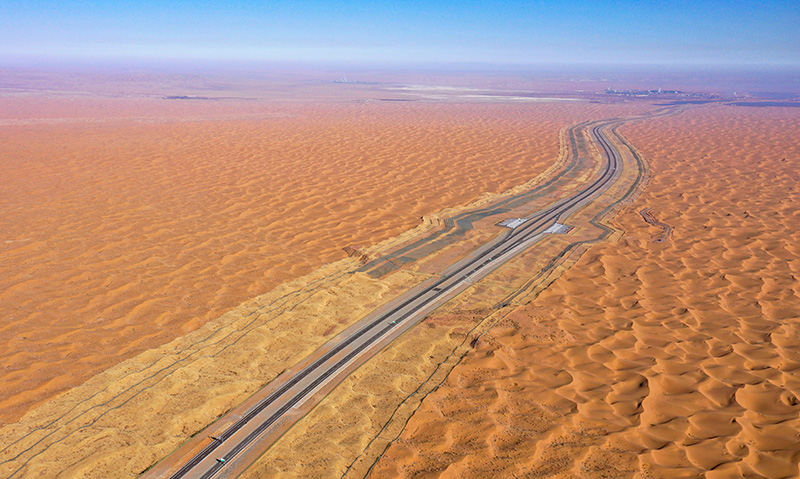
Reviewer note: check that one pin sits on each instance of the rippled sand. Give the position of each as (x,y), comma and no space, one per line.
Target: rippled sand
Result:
(648,359)
(130,222)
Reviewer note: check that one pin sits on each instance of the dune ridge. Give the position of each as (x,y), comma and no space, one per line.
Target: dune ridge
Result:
(120,235)
(109,405)
(647,359)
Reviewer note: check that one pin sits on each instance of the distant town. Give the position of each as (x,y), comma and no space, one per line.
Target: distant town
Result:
(661,93)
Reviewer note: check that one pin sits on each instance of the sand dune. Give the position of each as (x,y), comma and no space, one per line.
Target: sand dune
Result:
(130,222)
(132,225)
(648,359)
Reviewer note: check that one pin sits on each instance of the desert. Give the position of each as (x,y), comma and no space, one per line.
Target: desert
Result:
(674,358)
(140,220)
(327,239)
(137,220)
(168,256)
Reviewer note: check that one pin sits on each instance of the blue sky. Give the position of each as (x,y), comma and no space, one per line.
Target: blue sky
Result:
(696,32)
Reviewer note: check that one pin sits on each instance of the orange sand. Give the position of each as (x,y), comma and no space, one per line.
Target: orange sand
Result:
(647,359)
(129,222)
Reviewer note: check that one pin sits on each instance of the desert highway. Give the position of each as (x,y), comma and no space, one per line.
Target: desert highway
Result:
(225,452)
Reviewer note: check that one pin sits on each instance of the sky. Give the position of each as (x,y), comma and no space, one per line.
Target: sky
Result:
(502,32)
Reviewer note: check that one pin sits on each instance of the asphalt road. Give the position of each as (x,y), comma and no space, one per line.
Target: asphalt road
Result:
(218,458)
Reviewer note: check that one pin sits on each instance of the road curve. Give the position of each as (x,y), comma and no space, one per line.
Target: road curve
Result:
(364,339)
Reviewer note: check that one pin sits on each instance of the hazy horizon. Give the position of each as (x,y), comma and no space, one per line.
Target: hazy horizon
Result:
(185,77)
